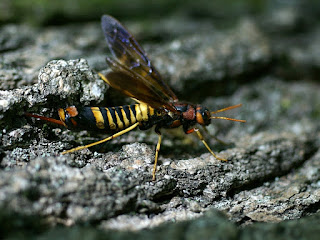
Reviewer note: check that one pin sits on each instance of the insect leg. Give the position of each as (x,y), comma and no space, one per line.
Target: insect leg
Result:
(216,138)
(204,142)
(103,140)
(156,155)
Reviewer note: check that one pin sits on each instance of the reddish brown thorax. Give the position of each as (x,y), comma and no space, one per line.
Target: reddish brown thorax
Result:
(189,113)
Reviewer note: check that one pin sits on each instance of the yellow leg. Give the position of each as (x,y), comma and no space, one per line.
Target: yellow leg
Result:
(103,140)
(156,157)
(204,142)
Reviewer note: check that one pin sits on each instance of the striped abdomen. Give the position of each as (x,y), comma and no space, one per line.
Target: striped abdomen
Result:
(111,119)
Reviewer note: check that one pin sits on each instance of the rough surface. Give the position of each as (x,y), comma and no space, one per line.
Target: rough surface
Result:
(270,185)
(218,56)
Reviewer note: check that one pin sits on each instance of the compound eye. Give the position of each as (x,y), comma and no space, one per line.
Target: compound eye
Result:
(207,117)
(203,116)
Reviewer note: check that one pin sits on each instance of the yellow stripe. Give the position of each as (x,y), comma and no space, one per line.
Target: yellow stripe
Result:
(144,111)
(138,112)
(124,116)
(132,117)
(119,123)
(98,116)
(62,115)
(151,111)
(112,125)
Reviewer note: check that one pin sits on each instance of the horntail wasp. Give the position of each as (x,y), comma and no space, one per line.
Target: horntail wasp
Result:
(134,75)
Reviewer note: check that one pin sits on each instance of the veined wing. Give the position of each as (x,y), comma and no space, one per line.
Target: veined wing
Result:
(132,61)
(132,85)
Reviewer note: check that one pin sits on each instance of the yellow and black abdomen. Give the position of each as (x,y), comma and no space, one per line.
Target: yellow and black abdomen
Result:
(110,119)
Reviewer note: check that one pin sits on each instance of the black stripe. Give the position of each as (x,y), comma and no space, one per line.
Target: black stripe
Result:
(127,111)
(85,118)
(133,109)
(105,117)
(148,111)
(118,109)
(113,115)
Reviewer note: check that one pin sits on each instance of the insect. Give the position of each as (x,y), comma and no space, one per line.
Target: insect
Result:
(134,75)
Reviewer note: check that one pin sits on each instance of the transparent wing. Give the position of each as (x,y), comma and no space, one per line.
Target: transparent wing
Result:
(131,65)
(131,84)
